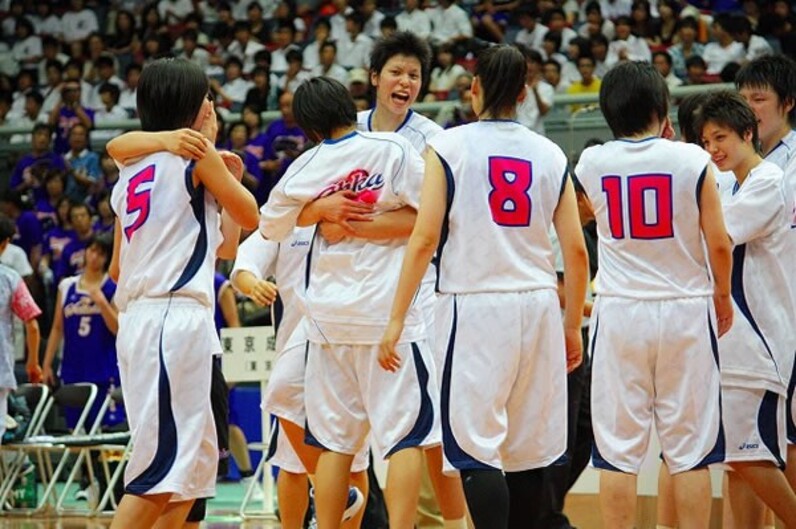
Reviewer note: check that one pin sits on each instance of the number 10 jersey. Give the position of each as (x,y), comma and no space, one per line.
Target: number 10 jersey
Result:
(645,196)
(504,184)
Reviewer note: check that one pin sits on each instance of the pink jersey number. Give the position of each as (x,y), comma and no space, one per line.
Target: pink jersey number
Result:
(648,223)
(509,200)
(138,201)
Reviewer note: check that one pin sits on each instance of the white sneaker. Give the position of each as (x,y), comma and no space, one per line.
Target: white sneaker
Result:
(257,491)
(356,501)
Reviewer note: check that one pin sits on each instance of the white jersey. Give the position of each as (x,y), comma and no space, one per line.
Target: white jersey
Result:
(286,261)
(758,349)
(645,196)
(504,184)
(416,128)
(170,231)
(352,282)
(783,155)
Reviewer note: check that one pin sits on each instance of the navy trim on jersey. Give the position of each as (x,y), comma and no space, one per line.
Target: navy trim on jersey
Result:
(700,183)
(272,445)
(642,140)
(455,454)
(739,296)
(768,426)
(443,238)
(719,451)
(308,437)
(330,141)
(197,258)
(789,421)
(403,123)
(308,264)
(166,452)
(498,120)
(425,417)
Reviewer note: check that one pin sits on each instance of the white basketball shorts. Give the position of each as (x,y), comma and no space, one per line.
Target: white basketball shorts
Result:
(504,384)
(655,361)
(754,425)
(165,349)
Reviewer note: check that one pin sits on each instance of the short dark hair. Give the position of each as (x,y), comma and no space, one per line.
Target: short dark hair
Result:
(103,241)
(687,22)
(632,94)
(695,60)
(357,18)
(623,20)
(501,72)
(664,54)
(79,205)
(552,62)
(170,94)
(328,44)
(400,43)
(554,37)
(593,6)
(53,63)
(104,61)
(321,105)
(599,39)
(777,72)
(323,21)
(687,116)
(530,55)
(112,89)
(36,96)
(388,22)
(232,59)
(263,55)
(42,127)
(294,56)
(8,228)
(727,108)
(131,67)
(242,25)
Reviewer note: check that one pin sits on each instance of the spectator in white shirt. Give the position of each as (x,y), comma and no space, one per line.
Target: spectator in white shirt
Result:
(283,37)
(551,48)
(173,11)
(9,24)
(25,85)
(328,66)
(444,75)
(27,50)
(556,20)
(78,22)
(538,93)
(110,111)
(32,115)
(613,9)
(243,47)
(295,74)
(337,21)
(596,24)
(356,52)
(128,95)
(551,71)
(191,50)
(532,32)
(724,50)
(373,18)
(106,73)
(52,90)
(311,52)
(51,50)
(46,22)
(626,46)
(450,24)
(233,93)
(599,50)
(414,19)
(754,45)
(663,63)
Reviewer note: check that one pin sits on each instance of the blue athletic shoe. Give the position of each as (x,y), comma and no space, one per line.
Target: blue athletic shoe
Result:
(356,500)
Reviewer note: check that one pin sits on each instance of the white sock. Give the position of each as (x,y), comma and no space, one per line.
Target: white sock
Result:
(461,523)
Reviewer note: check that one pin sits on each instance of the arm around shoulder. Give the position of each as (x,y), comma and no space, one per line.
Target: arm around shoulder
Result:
(229,192)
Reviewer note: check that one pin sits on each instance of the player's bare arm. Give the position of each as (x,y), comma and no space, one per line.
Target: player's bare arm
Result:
(719,250)
(339,208)
(422,245)
(576,272)
(114,269)
(53,342)
(260,291)
(396,224)
(132,146)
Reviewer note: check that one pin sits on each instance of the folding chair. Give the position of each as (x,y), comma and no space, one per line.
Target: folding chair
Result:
(77,396)
(37,397)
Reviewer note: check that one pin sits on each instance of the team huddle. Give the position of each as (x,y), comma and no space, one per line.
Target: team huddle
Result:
(422,315)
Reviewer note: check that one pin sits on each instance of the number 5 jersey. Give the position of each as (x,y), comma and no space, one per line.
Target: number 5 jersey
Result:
(170,231)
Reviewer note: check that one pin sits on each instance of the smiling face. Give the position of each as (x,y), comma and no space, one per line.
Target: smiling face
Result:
(726,148)
(771,113)
(398,83)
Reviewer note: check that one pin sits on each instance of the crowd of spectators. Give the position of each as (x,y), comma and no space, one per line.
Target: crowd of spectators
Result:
(67,67)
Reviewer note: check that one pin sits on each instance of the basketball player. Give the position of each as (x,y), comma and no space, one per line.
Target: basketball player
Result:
(347,306)
(757,352)
(498,319)
(167,235)
(654,281)
(398,66)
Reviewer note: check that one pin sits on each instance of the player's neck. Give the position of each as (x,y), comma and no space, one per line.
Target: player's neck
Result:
(767,146)
(92,277)
(342,132)
(742,170)
(654,131)
(382,120)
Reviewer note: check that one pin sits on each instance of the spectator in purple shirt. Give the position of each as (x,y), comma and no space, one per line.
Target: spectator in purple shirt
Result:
(68,113)
(47,206)
(55,240)
(73,256)
(238,137)
(29,235)
(31,168)
(85,175)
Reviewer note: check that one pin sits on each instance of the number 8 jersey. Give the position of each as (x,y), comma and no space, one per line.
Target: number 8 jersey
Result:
(645,196)
(504,184)
(170,231)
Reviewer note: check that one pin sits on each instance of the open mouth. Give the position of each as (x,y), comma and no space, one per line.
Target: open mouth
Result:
(400,99)
(719,161)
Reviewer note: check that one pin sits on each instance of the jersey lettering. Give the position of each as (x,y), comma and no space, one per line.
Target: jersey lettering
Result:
(647,220)
(138,200)
(509,200)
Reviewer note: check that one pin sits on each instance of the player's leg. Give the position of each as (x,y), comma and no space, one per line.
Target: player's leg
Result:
(726,510)
(238,446)
(618,499)
(359,481)
(745,508)
(308,454)
(403,487)
(770,521)
(790,469)
(448,489)
(292,493)
(139,511)
(691,492)
(769,483)
(331,488)
(487,498)
(667,513)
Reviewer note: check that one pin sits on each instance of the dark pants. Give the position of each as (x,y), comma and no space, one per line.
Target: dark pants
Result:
(551,484)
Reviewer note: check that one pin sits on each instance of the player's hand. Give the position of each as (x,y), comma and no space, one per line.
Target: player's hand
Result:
(343,207)
(33,370)
(724,312)
(333,233)
(233,163)
(389,359)
(48,377)
(96,294)
(187,143)
(574,345)
(263,293)
(209,128)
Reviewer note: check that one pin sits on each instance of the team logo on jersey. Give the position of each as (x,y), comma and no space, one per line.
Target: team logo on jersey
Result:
(82,307)
(365,185)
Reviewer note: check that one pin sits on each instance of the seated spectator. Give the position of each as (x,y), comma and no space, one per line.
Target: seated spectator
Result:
(73,257)
(551,71)
(191,51)
(27,49)
(312,51)
(444,75)
(725,49)
(111,111)
(285,10)
(577,47)
(599,50)
(388,27)
(463,83)
(556,20)
(538,94)
(663,63)
(551,47)
(490,18)
(46,23)
(232,94)
(626,46)
(668,11)
(596,24)
(463,113)
(110,172)
(29,234)
(295,74)
(51,91)
(613,9)
(172,12)
(82,164)
(78,22)
(695,70)
(754,45)
(68,113)
(55,240)
(355,52)
(16,9)
(372,18)
(244,47)
(687,45)
(41,159)
(127,97)
(73,71)
(106,220)
(105,67)
(643,25)
(328,66)
(124,41)
(193,22)
(238,135)
(450,24)
(54,191)
(358,83)
(262,96)
(588,83)
(254,125)
(531,31)
(26,83)
(32,116)
(257,25)
(414,19)
(283,38)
